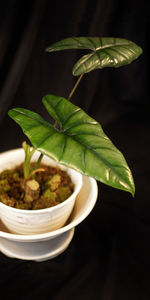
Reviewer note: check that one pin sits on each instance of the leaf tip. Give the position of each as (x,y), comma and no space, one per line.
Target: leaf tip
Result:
(131,190)
(48,49)
(11,113)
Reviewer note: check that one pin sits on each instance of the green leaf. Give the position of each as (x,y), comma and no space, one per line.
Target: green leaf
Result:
(103,52)
(80,143)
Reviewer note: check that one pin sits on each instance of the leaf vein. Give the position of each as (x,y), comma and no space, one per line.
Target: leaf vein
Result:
(70,115)
(118,52)
(63,148)
(80,123)
(81,44)
(92,42)
(54,108)
(102,159)
(110,56)
(45,138)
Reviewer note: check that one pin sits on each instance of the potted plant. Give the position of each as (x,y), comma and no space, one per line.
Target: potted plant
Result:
(76,140)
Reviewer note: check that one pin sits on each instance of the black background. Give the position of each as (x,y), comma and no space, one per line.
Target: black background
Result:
(109,256)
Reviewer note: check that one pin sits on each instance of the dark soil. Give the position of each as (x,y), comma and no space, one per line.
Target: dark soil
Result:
(55,186)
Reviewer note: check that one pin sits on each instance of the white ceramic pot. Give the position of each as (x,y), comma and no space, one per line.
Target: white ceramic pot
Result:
(44,246)
(37,221)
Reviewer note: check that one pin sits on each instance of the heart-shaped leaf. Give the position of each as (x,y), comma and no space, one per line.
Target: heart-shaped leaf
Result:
(79,143)
(104,52)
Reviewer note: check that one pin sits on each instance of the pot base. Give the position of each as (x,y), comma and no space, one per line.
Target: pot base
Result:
(37,251)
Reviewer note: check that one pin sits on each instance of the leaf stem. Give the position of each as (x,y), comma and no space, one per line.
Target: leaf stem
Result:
(75,86)
(71,93)
(35,171)
(28,154)
(27,161)
(37,162)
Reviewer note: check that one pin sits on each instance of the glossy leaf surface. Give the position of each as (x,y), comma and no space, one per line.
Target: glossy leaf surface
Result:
(103,52)
(79,143)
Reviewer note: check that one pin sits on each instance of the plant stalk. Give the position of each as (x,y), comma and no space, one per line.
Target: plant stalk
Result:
(75,87)
(71,93)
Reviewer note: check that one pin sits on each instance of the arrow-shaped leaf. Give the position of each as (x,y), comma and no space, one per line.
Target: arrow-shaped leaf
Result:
(80,142)
(104,52)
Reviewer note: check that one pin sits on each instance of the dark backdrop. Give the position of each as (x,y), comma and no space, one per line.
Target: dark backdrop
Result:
(27,73)
(115,264)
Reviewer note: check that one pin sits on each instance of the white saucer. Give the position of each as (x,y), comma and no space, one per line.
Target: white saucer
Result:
(40,247)
(37,251)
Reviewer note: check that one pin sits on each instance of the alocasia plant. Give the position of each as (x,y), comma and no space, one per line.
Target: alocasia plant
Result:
(75,139)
